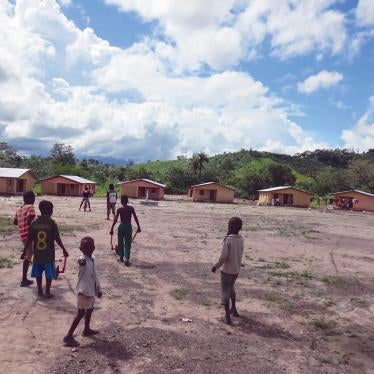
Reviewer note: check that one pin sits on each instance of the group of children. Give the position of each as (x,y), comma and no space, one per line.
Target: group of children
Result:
(39,234)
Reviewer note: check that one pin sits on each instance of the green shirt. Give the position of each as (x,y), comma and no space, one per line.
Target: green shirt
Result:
(44,232)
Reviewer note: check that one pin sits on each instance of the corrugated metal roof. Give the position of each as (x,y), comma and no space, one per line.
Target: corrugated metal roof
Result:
(282,188)
(210,183)
(12,172)
(358,191)
(73,178)
(144,180)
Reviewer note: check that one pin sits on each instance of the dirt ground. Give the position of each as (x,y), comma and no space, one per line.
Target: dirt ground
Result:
(305,294)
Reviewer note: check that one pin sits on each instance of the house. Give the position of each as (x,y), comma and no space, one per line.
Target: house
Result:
(66,185)
(143,189)
(15,181)
(212,191)
(354,199)
(284,196)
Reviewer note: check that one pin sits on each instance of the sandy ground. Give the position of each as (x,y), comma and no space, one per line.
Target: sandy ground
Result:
(305,294)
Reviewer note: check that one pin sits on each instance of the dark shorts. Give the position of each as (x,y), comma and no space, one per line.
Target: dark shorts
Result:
(228,284)
(49,270)
(111,207)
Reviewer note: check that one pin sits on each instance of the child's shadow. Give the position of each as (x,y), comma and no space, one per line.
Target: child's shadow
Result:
(144,265)
(250,325)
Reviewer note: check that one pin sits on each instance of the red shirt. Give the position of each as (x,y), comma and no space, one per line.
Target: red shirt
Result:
(25,214)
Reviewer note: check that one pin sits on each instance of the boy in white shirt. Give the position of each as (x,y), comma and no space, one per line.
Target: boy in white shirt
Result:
(88,287)
(231,259)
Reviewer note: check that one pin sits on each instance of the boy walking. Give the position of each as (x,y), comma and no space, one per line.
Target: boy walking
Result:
(231,259)
(24,216)
(88,287)
(111,200)
(43,234)
(125,229)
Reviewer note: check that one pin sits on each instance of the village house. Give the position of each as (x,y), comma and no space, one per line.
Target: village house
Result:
(355,200)
(211,192)
(15,181)
(284,196)
(66,185)
(143,189)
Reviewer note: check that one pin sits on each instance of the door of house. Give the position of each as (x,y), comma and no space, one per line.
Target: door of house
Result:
(9,186)
(285,199)
(142,192)
(61,189)
(20,185)
(213,195)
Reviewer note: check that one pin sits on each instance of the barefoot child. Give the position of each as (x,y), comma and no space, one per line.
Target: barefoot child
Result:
(43,234)
(88,287)
(86,197)
(231,259)
(111,200)
(24,216)
(125,229)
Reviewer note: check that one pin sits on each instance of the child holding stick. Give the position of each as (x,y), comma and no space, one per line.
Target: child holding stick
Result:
(125,229)
(231,259)
(88,287)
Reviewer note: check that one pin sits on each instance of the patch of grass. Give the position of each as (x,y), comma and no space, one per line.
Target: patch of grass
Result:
(261,260)
(274,297)
(282,231)
(64,229)
(359,302)
(328,302)
(323,324)
(6,223)
(292,275)
(333,280)
(6,263)
(281,265)
(206,302)
(179,293)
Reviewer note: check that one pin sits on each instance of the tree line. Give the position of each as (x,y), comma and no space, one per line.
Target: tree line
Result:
(320,171)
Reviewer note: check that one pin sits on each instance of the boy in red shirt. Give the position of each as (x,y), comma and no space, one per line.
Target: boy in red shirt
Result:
(24,216)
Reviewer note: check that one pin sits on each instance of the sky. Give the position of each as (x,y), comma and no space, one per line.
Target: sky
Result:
(151,80)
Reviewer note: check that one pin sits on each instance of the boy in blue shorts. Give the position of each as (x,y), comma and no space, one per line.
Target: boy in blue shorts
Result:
(43,234)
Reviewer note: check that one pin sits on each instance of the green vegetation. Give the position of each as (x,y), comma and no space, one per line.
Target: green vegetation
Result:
(323,324)
(6,224)
(179,293)
(320,172)
(6,263)
(334,281)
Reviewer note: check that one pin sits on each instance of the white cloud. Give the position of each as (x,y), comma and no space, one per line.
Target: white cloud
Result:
(361,135)
(66,84)
(365,13)
(324,79)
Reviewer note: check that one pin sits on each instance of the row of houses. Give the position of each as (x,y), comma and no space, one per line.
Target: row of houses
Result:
(16,181)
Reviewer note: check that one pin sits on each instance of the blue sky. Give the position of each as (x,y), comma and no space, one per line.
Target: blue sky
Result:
(143,80)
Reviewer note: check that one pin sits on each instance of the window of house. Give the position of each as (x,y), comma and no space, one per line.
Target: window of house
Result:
(201,192)
(72,186)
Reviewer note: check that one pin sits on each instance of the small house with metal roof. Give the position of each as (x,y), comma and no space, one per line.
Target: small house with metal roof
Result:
(143,189)
(211,192)
(354,200)
(284,196)
(66,185)
(14,181)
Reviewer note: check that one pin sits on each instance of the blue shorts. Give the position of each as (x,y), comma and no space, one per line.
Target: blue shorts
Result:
(49,269)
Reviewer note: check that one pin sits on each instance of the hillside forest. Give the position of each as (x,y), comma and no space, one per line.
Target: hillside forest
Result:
(321,171)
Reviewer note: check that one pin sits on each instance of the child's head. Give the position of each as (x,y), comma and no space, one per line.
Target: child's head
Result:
(46,207)
(29,197)
(87,245)
(124,199)
(234,226)
(111,186)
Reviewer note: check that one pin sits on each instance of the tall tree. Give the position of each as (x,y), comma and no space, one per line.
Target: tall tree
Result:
(194,163)
(9,156)
(63,154)
(362,172)
(202,158)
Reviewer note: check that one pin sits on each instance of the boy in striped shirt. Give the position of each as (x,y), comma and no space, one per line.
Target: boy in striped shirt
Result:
(24,216)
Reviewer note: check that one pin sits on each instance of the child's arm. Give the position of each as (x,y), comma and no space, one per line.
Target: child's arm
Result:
(29,240)
(136,220)
(114,222)
(15,221)
(223,258)
(59,242)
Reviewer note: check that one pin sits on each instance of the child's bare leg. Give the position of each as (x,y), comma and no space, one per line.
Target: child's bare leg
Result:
(68,339)
(233,309)
(48,283)
(227,316)
(25,268)
(80,206)
(87,320)
(39,283)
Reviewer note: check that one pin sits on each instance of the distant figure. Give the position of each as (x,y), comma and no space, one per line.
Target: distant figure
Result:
(88,287)
(231,259)
(111,200)
(86,199)
(43,234)
(125,229)
(24,216)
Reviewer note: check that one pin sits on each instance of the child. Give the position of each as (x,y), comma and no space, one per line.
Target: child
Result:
(86,197)
(24,216)
(43,234)
(111,200)
(231,259)
(88,287)
(125,229)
